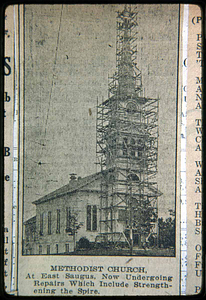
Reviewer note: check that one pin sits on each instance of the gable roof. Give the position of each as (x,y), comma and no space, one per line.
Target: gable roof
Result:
(78,185)
(32,220)
(72,186)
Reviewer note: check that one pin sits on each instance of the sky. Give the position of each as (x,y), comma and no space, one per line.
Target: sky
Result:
(69,54)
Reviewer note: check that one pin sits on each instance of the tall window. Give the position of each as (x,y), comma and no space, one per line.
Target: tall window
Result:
(141,147)
(57,249)
(49,222)
(114,145)
(94,218)
(58,220)
(48,249)
(124,146)
(91,217)
(132,147)
(140,152)
(41,223)
(67,248)
(68,219)
(40,249)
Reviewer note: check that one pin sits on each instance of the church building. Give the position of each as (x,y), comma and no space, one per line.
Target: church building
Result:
(64,216)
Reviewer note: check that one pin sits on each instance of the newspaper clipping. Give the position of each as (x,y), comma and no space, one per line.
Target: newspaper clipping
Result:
(102,149)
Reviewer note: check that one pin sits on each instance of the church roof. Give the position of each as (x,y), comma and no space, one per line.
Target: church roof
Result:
(80,184)
(30,221)
(72,186)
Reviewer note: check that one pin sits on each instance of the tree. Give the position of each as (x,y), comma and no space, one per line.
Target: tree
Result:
(73,225)
(141,218)
(166,232)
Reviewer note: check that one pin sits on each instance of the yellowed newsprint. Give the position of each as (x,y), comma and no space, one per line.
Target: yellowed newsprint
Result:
(102,149)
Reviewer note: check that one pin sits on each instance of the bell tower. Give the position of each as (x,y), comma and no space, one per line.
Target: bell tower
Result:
(127,145)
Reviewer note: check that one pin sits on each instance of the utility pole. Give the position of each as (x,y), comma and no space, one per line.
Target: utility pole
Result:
(130,219)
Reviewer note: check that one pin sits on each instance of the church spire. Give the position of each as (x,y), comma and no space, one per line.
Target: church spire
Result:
(127,77)
(125,68)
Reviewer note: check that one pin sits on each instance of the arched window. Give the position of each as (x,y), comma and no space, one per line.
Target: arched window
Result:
(131,108)
(133,177)
(129,147)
